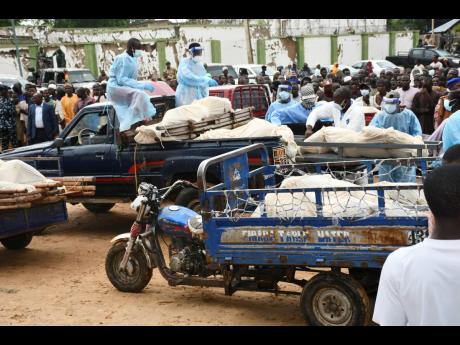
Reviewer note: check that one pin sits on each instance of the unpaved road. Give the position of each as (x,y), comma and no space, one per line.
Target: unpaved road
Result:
(59,279)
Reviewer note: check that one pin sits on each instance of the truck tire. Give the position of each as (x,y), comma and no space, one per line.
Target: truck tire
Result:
(140,274)
(189,197)
(17,242)
(98,208)
(335,299)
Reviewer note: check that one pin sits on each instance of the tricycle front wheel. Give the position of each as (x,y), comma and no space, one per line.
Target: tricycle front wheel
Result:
(335,299)
(137,274)
(17,242)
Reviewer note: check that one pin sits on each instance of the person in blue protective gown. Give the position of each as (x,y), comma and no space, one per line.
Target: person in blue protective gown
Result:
(192,79)
(299,111)
(211,81)
(131,103)
(403,120)
(283,100)
(451,133)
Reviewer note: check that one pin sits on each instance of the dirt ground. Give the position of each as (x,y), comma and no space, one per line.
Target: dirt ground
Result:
(59,279)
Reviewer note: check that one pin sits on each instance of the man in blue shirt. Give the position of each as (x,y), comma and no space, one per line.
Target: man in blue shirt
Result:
(298,112)
(403,120)
(451,132)
(283,100)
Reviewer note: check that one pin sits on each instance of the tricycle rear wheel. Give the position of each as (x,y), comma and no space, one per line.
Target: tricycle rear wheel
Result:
(335,299)
(138,274)
(17,242)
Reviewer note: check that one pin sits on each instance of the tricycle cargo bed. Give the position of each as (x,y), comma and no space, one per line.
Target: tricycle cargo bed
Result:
(15,222)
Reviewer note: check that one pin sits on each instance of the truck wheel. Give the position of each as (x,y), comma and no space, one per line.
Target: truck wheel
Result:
(17,242)
(137,275)
(98,208)
(189,197)
(368,278)
(335,299)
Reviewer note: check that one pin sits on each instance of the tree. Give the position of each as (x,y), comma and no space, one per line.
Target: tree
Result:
(90,23)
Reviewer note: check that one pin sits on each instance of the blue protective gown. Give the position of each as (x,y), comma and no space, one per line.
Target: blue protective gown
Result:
(276,106)
(192,82)
(451,133)
(127,95)
(296,113)
(405,121)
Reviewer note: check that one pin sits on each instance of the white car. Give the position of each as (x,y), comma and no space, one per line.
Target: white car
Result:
(253,71)
(377,66)
(11,79)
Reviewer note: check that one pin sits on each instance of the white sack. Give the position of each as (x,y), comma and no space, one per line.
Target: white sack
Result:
(16,171)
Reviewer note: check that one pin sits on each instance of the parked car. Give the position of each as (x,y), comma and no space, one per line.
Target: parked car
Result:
(79,77)
(253,71)
(243,96)
(215,69)
(425,55)
(11,79)
(377,66)
(91,145)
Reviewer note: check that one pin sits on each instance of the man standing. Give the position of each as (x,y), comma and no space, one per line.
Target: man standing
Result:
(98,94)
(295,92)
(170,72)
(297,113)
(7,119)
(436,64)
(345,112)
(84,99)
(451,132)
(263,73)
(68,103)
(305,72)
(406,92)
(419,284)
(403,120)
(423,105)
(283,100)
(42,121)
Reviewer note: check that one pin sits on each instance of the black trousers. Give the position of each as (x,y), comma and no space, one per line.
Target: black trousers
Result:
(8,135)
(40,136)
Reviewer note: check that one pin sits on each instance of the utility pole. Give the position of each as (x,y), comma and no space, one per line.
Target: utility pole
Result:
(17,48)
(432,31)
(248,41)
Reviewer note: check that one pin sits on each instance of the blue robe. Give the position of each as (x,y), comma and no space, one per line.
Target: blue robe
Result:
(451,133)
(127,95)
(296,113)
(192,82)
(275,106)
(405,121)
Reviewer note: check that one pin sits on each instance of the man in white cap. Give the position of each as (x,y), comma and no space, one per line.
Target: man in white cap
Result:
(299,112)
(343,110)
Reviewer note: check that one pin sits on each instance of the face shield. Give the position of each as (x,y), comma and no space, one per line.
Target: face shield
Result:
(196,53)
(284,93)
(390,105)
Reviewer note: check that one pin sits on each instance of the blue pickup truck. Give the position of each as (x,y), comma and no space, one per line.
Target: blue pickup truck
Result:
(91,145)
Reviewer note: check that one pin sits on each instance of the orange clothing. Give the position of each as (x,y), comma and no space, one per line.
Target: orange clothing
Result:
(68,107)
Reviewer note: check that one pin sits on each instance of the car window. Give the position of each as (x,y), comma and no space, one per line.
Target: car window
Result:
(386,64)
(442,52)
(81,76)
(97,124)
(358,65)
(60,78)
(417,53)
(244,71)
(429,54)
(48,76)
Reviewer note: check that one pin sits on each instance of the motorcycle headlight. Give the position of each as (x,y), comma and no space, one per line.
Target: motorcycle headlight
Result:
(144,188)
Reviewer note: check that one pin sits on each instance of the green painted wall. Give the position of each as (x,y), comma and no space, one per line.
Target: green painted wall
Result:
(91,59)
(216,53)
(33,50)
(334,54)
(415,38)
(364,46)
(299,45)
(392,43)
(261,58)
(161,49)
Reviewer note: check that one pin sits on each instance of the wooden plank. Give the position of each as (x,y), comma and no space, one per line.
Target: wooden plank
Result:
(75,178)
(13,190)
(17,206)
(81,188)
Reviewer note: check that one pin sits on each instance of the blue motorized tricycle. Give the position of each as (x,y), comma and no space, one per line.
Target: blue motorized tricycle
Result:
(237,244)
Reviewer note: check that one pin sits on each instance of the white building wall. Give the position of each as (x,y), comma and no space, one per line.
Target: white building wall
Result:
(276,55)
(379,46)
(403,41)
(317,50)
(349,49)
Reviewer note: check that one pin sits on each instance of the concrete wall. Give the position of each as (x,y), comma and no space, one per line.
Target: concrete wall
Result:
(168,43)
(348,49)
(403,41)
(317,50)
(379,46)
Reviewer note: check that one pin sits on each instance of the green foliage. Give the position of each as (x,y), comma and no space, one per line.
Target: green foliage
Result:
(90,23)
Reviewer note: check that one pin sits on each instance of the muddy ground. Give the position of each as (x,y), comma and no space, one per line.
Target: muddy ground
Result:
(59,279)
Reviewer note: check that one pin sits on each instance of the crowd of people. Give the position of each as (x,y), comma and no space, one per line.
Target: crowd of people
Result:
(30,115)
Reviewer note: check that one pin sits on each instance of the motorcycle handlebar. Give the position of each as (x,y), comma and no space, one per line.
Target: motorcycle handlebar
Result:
(170,188)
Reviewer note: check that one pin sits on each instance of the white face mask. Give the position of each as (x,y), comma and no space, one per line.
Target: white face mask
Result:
(196,58)
(284,96)
(364,92)
(447,105)
(137,53)
(389,108)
